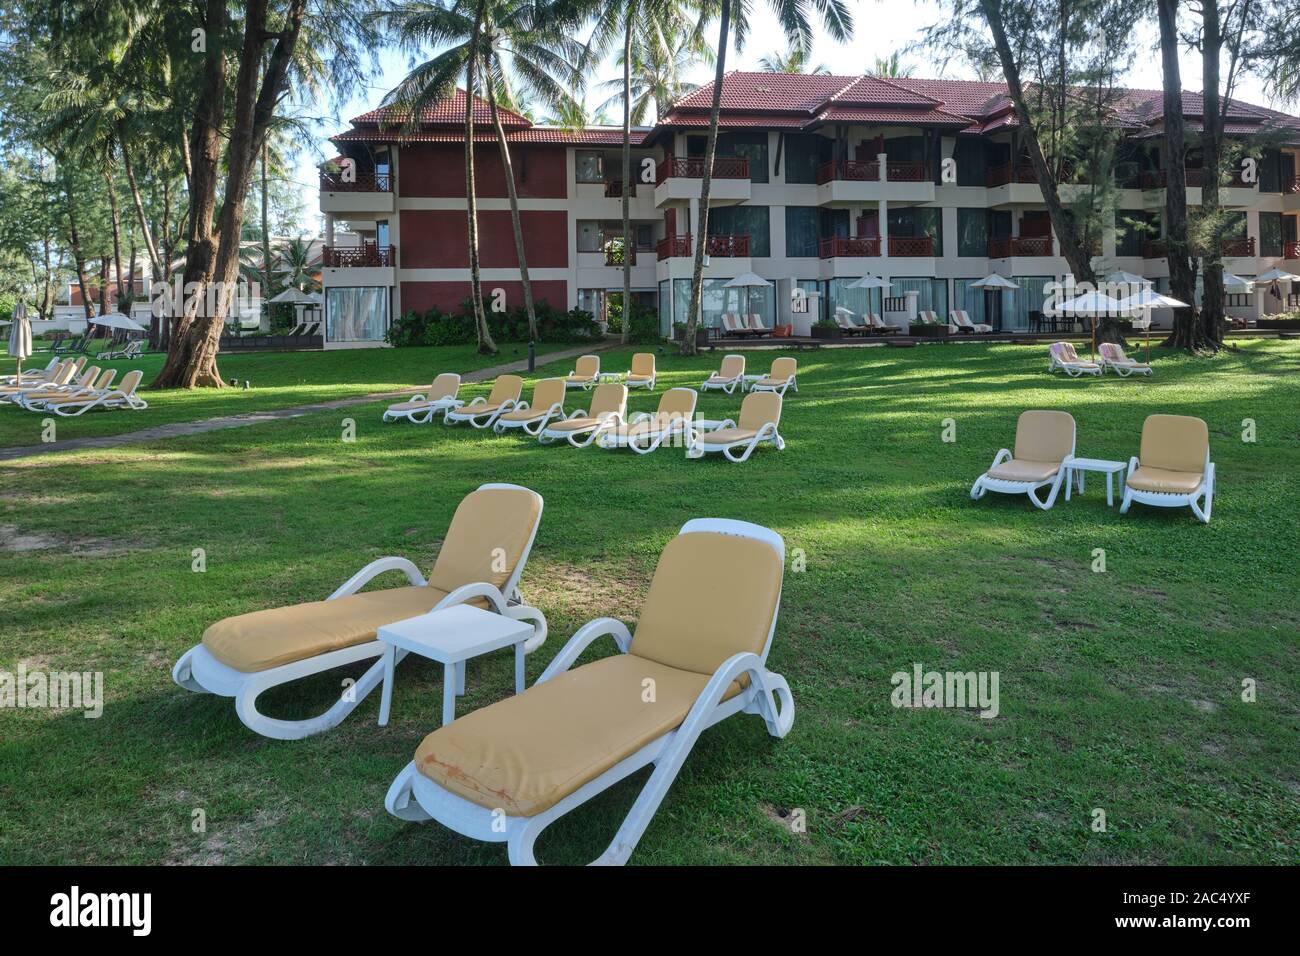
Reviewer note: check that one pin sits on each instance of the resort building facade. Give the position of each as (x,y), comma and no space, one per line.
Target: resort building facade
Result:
(818,181)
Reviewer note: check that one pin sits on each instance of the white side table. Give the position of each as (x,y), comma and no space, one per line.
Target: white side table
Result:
(1078,466)
(451,636)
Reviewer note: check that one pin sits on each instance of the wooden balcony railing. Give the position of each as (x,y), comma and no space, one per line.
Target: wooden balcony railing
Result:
(848,246)
(724,247)
(848,171)
(1007,173)
(911,246)
(904,172)
(1195,178)
(1007,246)
(671,247)
(1159,249)
(365,182)
(614,189)
(1291,250)
(1293,186)
(367,254)
(692,167)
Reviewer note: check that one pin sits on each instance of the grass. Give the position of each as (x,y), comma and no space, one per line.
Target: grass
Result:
(277,380)
(1119,690)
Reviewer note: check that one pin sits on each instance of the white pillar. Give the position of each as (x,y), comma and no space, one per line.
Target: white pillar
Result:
(912,297)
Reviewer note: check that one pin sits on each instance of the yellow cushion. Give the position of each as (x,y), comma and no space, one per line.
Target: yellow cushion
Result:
(525,753)
(723,436)
(486,520)
(525,414)
(507,388)
(1018,469)
(586,368)
(1174,443)
(733,366)
(774,382)
(1162,479)
(409,406)
(783,368)
(486,408)
(760,408)
(573,424)
(1043,436)
(638,378)
(445,385)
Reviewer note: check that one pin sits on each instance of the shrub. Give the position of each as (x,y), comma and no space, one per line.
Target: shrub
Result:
(435,327)
(644,325)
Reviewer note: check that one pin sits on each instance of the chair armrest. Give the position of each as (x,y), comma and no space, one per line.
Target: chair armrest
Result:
(373,570)
(580,413)
(638,417)
(468,592)
(480,400)
(1132,467)
(583,638)
(1003,454)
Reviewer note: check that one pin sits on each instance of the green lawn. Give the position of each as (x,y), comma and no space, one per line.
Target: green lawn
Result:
(276,380)
(1119,690)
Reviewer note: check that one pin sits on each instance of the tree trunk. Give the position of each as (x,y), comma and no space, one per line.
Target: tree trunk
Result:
(629,248)
(485,344)
(513,193)
(116,219)
(1212,298)
(266,228)
(78,256)
(1182,274)
(47,291)
(688,346)
(103,286)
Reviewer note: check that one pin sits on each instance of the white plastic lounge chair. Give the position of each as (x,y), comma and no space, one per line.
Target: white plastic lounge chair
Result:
(32,376)
(585,374)
(608,411)
(642,373)
(760,418)
(959,319)
(781,377)
(1044,444)
(81,383)
(504,773)
(484,412)
(1113,358)
(132,349)
(62,375)
(756,326)
(844,319)
(124,396)
(1173,467)
(548,405)
(1063,356)
(243,656)
(878,326)
(420,409)
(647,431)
(731,325)
(86,387)
(730,375)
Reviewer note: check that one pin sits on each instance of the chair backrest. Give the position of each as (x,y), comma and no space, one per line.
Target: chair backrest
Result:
(1175,443)
(713,595)
(587,366)
(1113,352)
(133,348)
(729,322)
(88,377)
(958,318)
(130,382)
(677,403)
(446,385)
(78,364)
(1044,436)
(548,392)
(1070,354)
(64,373)
(643,363)
(609,398)
(873,320)
(507,388)
(733,366)
(842,319)
(488,538)
(1061,351)
(760,408)
(755,322)
(783,368)
(106,379)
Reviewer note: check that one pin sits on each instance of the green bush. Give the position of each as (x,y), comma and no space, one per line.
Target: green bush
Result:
(644,325)
(435,327)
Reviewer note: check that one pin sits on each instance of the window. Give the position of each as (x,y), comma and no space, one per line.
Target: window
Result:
(716,298)
(749,221)
(1234,225)
(803,154)
(590,237)
(356,314)
(1270,234)
(972,232)
(858,301)
(802,230)
(969,155)
(1270,171)
(971,300)
(834,223)
(1032,297)
(1134,227)
(751,146)
(931,294)
(589,166)
(918,222)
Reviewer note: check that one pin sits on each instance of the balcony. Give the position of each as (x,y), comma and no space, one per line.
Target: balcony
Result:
(614,189)
(613,249)
(361,182)
(679,180)
(1291,250)
(1007,173)
(851,181)
(1232,248)
(366,192)
(365,256)
(911,247)
(849,171)
(1009,246)
(848,246)
(722,247)
(1233,190)
(692,167)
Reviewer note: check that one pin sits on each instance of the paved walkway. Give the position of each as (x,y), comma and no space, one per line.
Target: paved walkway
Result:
(176,429)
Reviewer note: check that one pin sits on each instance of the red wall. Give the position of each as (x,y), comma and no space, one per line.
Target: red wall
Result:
(419,296)
(438,239)
(438,170)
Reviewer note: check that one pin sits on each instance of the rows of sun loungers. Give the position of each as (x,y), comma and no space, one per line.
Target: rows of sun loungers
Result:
(1062,357)
(746,326)
(68,388)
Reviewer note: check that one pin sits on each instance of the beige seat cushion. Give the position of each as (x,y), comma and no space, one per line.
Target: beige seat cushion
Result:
(476,410)
(586,368)
(1019,470)
(525,414)
(1043,436)
(581,378)
(409,406)
(632,377)
(723,436)
(574,424)
(776,382)
(721,380)
(1162,479)
(760,408)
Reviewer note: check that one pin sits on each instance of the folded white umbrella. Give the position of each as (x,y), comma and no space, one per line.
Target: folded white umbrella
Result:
(20,337)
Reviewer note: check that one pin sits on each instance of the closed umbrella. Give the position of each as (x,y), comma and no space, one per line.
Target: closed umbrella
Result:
(20,338)
(1147,300)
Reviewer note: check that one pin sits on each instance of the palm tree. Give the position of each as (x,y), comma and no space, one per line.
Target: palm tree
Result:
(793,60)
(793,17)
(662,56)
(892,65)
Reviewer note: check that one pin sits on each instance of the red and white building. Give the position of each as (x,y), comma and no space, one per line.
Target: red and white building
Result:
(819,180)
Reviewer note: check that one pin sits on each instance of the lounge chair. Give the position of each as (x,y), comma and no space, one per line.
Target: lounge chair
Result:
(731,325)
(33,375)
(961,321)
(243,656)
(86,382)
(503,773)
(728,377)
(756,327)
(1173,466)
(548,404)
(585,374)
(646,431)
(878,327)
(124,396)
(780,378)
(484,412)
(760,417)
(1063,356)
(62,375)
(132,349)
(642,373)
(71,344)
(1113,358)
(1044,445)
(420,409)
(844,319)
(608,410)
(36,401)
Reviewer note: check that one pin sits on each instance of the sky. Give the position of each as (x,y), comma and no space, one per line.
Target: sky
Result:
(880,29)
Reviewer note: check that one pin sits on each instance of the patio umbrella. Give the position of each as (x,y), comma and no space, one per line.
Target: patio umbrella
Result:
(1147,300)
(1273,277)
(295,296)
(116,320)
(1231,281)
(869,282)
(1126,278)
(20,338)
(1091,304)
(747,281)
(995,283)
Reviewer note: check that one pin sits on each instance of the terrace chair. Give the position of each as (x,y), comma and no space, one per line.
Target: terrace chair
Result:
(961,321)
(877,325)
(124,396)
(844,319)
(71,345)
(1063,356)
(484,412)
(646,431)
(585,374)
(246,655)
(731,325)
(760,417)
(756,327)
(1044,446)
(642,373)
(780,378)
(62,374)
(83,382)
(132,349)
(35,401)
(729,376)
(608,411)
(1113,358)
(420,409)
(504,773)
(1173,466)
(548,404)
(33,375)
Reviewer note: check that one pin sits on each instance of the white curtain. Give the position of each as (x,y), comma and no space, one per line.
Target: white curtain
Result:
(357,314)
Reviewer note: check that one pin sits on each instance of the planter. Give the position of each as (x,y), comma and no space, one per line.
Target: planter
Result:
(701,336)
(1291,325)
(928,331)
(824,332)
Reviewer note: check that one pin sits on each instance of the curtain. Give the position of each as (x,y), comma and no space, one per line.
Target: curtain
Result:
(801,230)
(356,314)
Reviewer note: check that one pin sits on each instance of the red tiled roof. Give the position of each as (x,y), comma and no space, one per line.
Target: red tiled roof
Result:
(767,92)
(449,112)
(544,135)
(745,120)
(902,117)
